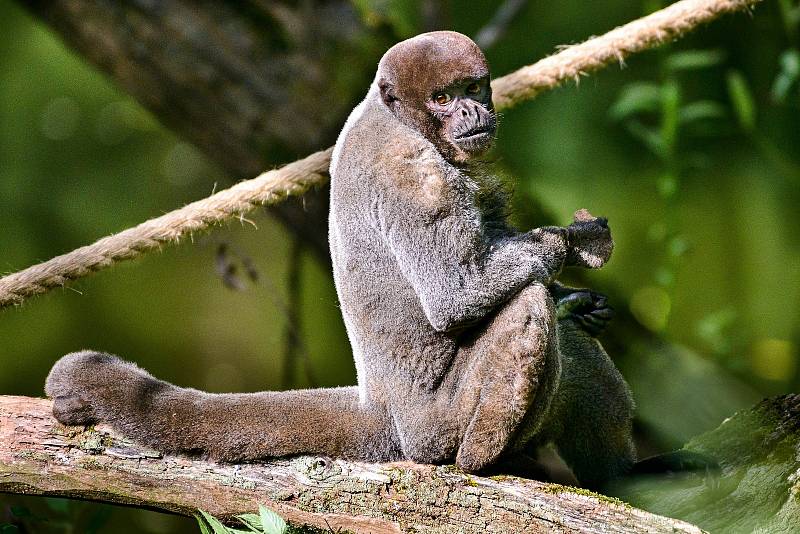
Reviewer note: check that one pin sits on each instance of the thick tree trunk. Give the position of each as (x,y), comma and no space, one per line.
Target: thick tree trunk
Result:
(252,84)
(38,456)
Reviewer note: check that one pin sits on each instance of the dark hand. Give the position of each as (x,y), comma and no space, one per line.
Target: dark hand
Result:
(590,242)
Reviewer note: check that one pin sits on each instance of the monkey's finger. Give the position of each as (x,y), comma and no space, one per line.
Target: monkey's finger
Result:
(576,300)
(583,215)
(604,313)
(592,329)
(591,319)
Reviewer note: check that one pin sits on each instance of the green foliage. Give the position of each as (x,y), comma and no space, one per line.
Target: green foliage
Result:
(694,59)
(787,79)
(266,522)
(742,100)
(636,98)
(271,523)
(403,16)
(659,115)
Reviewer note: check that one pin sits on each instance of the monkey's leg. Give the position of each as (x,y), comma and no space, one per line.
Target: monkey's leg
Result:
(514,368)
(590,420)
(89,387)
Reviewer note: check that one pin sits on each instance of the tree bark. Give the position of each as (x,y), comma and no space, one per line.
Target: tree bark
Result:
(38,456)
(251,84)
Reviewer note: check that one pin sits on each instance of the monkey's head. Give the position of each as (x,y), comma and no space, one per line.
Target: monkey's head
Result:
(438,84)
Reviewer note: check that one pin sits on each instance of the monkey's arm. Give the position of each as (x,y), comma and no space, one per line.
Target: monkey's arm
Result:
(458,273)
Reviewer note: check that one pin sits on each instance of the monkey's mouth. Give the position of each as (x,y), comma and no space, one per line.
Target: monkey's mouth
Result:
(478,133)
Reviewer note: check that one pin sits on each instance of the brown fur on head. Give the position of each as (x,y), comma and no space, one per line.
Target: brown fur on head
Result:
(438,84)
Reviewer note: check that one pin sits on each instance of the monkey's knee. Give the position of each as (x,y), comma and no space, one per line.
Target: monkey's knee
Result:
(534,305)
(524,327)
(516,376)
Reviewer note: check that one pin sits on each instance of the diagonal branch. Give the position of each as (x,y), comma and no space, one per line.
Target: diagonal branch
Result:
(273,186)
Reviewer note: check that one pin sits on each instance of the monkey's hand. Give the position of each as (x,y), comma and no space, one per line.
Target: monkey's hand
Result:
(588,309)
(590,242)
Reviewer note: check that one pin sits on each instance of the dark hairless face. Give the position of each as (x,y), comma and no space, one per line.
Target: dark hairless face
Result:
(438,84)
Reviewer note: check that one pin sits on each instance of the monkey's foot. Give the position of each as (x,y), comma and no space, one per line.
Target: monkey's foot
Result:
(589,310)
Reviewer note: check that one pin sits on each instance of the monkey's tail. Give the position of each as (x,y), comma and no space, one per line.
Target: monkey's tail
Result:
(327,421)
(89,387)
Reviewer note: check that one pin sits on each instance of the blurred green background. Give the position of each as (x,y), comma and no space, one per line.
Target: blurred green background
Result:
(692,152)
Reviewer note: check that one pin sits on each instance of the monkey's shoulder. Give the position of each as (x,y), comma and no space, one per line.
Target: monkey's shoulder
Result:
(412,169)
(397,164)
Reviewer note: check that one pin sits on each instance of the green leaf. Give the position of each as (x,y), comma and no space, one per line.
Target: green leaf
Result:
(788,75)
(648,137)
(742,100)
(216,526)
(9,529)
(251,521)
(670,116)
(695,59)
(271,522)
(701,110)
(644,97)
(204,528)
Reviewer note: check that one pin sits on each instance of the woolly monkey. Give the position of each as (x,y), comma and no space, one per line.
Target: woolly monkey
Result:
(459,351)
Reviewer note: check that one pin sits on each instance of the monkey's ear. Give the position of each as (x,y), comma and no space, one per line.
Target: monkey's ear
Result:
(387,92)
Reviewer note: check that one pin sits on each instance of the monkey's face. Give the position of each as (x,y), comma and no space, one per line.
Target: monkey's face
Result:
(438,84)
(465,111)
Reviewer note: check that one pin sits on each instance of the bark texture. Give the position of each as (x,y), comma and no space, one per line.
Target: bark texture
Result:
(38,456)
(252,84)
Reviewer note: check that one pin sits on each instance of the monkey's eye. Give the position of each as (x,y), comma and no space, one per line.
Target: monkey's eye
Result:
(473,88)
(442,98)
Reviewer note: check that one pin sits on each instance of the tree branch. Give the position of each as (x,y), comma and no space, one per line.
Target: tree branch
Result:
(274,186)
(38,456)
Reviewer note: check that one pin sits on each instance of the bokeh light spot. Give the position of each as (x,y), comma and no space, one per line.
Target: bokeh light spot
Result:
(651,306)
(183,164)
(773,359)
(60,118)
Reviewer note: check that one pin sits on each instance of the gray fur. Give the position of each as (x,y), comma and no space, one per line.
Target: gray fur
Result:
(450,318)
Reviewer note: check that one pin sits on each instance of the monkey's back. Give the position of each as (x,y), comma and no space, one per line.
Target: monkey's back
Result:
(376,160)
